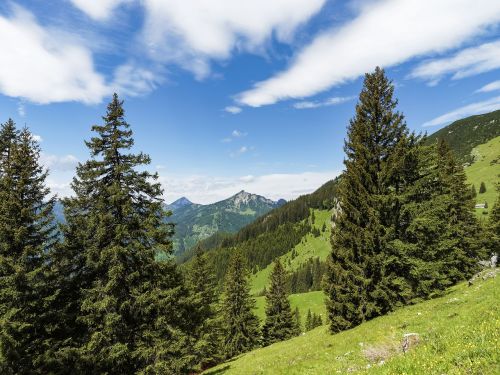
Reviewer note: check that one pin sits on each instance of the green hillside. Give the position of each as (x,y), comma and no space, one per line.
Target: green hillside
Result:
(486,168)
(465,134)
(309,247)
(459,333)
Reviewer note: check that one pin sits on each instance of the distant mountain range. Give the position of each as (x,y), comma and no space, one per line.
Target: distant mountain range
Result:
(195,222)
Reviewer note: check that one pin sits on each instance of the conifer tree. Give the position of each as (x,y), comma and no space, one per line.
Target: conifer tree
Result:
(26,235)
(297,320)
(241,326)
(473,191)
(309,320)
(494,224)
(482,188)
(134,308)
(201,282)
(279,324)
(357,283)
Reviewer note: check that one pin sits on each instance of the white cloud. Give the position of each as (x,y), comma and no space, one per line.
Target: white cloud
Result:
(37,138)
(238,134)
(59,163)
(469,61)
(324,103)
(192,32)
(233,109)
(39,65)
(384,33)
(99,10)
(492,86)
(468,110)
(242,150)
(205,189)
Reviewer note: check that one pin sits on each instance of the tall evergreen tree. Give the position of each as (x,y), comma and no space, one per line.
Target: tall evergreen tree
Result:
(297,321)
(494,224)
(26,235)
(241,326)
(357,284)
(279,324)
(482,188)
(134,309)
(201,282)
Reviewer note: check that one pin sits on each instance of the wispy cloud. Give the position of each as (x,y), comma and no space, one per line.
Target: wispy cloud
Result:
(242,150)
(234,135)
(99,10)
(492,86)
(191,33)
(468,110)
(385,33)
(468,62)
(233,109)
(324,103)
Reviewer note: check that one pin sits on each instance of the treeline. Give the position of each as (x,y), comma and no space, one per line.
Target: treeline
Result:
(406,229)
(259,252)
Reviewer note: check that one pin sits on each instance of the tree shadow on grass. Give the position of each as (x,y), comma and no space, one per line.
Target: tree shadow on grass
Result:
(219,371)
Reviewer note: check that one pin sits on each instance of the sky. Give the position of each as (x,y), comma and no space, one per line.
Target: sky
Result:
(229,95)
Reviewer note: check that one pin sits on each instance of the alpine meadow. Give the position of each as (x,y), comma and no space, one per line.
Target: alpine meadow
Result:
(266,187)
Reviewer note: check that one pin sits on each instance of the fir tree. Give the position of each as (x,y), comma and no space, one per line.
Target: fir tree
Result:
(201,282)
(357,283)
(473,191)
(482,188)
(297,320)
(309,320)
(134,309)
(26,235)
(279,324)
(241,326)
(494,224)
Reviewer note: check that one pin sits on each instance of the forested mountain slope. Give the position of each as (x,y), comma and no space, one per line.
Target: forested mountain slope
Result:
(465,134)
(195,222)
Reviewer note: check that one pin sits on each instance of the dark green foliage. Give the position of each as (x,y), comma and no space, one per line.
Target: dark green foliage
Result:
(27,233)
(465,134)
(240,325)
(357,284)
(308,277)
(482,188)
(313,320)
(297,321)
(494,225)
(208,335)
(279,324)
(406,228)
(473,191)
(134,310)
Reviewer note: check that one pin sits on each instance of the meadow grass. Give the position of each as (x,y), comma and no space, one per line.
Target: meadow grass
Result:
(459,334)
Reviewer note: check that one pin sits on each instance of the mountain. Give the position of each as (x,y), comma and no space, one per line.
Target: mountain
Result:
(195,222)
(466,134)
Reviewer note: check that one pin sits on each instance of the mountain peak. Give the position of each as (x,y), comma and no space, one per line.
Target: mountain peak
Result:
(181,202)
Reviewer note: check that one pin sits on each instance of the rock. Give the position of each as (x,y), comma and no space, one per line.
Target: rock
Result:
(410,340)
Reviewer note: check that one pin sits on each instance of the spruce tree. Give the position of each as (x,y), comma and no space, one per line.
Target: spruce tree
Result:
(201,282)
(482,188)
(134,308)
(494,224)
(358,284)
(241,326)
(309,320)
(279,324)
(26,235)
(297,321)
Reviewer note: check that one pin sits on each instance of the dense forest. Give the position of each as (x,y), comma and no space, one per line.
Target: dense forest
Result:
(103,294)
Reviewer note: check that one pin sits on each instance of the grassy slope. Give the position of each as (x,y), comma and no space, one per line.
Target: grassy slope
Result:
(486,168)
(460,334)
(310,247)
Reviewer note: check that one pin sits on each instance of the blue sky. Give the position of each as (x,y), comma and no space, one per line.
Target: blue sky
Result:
(228,95)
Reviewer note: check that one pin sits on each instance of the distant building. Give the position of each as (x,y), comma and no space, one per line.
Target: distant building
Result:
(480,205)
